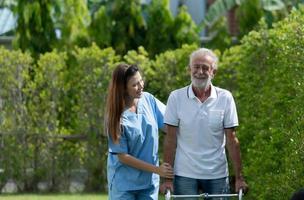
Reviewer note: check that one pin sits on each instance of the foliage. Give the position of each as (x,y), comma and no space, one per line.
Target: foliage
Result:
(169,71)
(248,14)
(221,7)
(184,30)
(218,9)
(220,36)
(35,21)
(91,76)
(72,20)
(52,110)
(99,28)
(53,120)
(61,110)
(7,3)
(267,81)
(140,58)
(159,22)
(44,25)
(13,71)
(89,83)
(44,91)
(47,25)
(128,26)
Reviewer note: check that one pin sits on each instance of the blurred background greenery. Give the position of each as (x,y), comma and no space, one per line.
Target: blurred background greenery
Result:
(54,78)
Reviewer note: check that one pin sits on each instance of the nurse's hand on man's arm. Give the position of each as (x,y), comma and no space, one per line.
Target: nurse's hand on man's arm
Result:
(165,170)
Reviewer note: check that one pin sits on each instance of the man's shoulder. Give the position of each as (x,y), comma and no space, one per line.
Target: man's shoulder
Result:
(180,90)
(222,92)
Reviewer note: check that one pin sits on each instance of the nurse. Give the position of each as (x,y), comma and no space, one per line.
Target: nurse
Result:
(133,119)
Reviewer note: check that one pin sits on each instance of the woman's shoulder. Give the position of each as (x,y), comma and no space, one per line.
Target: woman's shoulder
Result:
(147,96)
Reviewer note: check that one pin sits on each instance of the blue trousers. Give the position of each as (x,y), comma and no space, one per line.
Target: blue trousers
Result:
(190,186)
(144,194)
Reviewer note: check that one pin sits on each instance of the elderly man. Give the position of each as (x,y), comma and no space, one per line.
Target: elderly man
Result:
(201,121)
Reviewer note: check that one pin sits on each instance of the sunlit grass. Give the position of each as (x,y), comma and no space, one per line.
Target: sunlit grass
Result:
(58,197)
(54,197)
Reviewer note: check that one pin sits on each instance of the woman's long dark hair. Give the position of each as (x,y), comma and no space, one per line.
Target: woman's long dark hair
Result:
(116,99)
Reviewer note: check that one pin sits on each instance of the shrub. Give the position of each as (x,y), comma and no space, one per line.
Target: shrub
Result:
(267,81)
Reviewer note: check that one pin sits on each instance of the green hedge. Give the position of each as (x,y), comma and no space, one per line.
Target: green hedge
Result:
(52,111)
(266,75)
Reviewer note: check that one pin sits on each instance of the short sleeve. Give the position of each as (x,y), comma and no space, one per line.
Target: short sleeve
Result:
(120,147)
(230,118)
(171,117)
(159,111)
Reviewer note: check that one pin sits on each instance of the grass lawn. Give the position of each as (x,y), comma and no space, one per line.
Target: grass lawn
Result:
(58,197)
(54,197)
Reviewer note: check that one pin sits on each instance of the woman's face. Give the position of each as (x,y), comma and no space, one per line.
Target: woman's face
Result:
(135,86)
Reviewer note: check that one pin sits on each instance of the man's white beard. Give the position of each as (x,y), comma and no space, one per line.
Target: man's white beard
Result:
(202,84)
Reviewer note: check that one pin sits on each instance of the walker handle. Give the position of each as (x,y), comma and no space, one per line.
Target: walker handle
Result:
(168,195)
(240,194)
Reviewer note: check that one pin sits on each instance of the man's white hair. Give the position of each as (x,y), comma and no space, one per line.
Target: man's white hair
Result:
(204,52)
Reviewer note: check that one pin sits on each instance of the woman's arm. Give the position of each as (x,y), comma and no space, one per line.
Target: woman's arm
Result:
(164,170)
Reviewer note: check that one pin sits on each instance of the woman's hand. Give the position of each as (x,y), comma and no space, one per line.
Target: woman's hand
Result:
(165,170)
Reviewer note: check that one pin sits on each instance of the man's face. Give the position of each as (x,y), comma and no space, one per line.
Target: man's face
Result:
(201,71)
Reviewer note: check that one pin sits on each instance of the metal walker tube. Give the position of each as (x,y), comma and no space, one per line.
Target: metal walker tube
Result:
(168,195)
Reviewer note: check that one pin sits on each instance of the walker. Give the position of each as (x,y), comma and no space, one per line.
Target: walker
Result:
(168,195)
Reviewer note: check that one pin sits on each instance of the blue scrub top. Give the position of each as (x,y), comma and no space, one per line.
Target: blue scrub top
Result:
(139,139)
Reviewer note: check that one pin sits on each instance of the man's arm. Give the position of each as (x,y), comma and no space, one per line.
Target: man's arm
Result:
(233,147)
(169,153)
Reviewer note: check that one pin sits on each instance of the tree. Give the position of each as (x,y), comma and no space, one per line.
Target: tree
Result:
(35,28)
(221,7)
(99,28)
(160,22)
(43,25)
(128,25)
(247,15)
(72,21)
(184,29)
(265,73)
(46,25)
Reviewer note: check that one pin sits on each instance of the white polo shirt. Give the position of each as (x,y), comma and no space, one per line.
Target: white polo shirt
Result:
(200,151)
